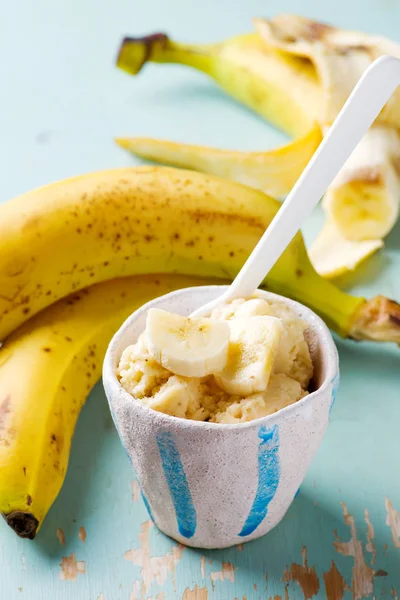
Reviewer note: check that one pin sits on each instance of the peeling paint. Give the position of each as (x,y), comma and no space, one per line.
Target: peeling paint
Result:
(135,491)
(227,573)
(394,594)
(134,595)
(61,536)
(286,593)
(305,576)
(393,521)
(23,562)
(153,568)
(101,597)
(82,534)
(370,546)
(240,547)
(196,594)
(335,585)
(362,574)
(203,567)
(71,568)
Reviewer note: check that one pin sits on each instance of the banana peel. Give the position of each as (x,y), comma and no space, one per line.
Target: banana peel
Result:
(362,204)
(299,67)
(274,172)
(354,230)
(338,56)
(333,255)
(372,173)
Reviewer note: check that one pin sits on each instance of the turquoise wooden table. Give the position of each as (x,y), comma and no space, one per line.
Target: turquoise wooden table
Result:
(62,102)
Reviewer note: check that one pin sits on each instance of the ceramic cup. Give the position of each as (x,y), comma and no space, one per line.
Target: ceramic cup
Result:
(210,485)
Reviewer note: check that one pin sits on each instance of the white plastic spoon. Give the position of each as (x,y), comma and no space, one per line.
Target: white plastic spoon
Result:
(363,106)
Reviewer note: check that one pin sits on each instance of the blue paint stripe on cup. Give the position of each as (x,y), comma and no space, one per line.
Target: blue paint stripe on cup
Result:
(178,485)
(268,478)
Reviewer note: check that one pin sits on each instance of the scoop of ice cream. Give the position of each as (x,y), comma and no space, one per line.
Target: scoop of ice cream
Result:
(139,373)
(281,392)
(210,398)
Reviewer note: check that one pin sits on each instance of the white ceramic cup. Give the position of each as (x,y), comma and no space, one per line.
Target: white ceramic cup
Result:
(211,485)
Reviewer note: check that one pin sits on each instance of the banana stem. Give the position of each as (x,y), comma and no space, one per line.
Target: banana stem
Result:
(377,319)
(136,52)
(334,306)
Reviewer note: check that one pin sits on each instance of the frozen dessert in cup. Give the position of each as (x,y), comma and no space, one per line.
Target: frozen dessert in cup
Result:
(224,466)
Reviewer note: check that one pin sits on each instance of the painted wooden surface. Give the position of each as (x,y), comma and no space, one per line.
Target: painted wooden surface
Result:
(61,103)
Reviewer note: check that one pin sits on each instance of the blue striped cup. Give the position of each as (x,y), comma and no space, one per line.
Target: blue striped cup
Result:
(212,485)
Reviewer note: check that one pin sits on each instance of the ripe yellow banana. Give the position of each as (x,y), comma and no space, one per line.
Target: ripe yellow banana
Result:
(47,368)
(283,88)
(66,236)
(294,72)
(268,82)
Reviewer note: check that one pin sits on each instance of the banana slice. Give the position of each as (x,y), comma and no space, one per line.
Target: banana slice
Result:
(189,347)
(253,345)
(174,396)
(332,255)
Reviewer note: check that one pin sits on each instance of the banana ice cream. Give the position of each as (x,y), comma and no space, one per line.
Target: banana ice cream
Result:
(249,359)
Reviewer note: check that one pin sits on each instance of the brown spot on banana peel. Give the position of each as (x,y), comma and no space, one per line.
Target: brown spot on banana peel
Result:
(371,175)
(317,31)
(4,411)
(290,29)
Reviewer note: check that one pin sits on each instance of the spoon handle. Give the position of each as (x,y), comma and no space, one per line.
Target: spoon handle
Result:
(359,112)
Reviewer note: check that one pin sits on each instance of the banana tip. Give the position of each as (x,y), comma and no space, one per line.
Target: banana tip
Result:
(123,142)
(24,524)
